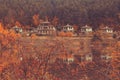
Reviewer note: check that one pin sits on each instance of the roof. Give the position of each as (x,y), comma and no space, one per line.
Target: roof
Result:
(107,27)
(86,26)
(45,22)
(68,25)
(15,27)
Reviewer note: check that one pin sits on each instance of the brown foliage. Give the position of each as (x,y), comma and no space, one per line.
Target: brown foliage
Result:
(55,21)
(28,60)
(62,34)
(36,20)
(8,47)
(116,61)
(17,23)
(65,34)
(69,34)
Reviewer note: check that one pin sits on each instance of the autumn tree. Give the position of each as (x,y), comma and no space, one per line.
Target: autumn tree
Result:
(36,20)
(17,23)
(9,48)
(32,62)
(55,21)
(62,34)
(116,61)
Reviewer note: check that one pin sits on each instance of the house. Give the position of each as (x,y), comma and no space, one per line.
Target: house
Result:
(86,29)
(45,28)
(67,58)
(106,57)
(68,28)
(84,57)
(107,30)
(88,57)
(17,29)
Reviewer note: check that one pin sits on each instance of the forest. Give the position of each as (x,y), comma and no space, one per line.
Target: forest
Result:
(38,59)
(55,58)
(79,12)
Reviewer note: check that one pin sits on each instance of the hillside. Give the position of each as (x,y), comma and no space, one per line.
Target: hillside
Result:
(80,12)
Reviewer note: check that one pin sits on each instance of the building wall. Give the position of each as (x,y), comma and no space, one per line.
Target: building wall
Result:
(46,30)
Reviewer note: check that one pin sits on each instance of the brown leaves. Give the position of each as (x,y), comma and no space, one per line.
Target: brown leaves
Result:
(9,46)
(65,34)
(36,20)
(55,21)
(17,23)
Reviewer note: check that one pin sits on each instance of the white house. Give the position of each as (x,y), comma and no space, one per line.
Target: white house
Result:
(17,29)
(88,57)
(45,28)
(68,28)
(107,29)
(86,28)
(106,57)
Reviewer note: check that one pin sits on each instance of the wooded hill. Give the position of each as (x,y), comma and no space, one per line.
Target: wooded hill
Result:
(80,12)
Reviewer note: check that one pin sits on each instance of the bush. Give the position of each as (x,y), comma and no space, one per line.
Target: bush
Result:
(33,36)
(65,34)
(69,34)
(61,34)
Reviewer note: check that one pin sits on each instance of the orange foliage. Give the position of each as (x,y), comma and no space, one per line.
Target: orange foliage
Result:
(69,34)
(33,36)
(116,61)
(55,21)
(65,34)
(17,23)
(36,20)
(8,47)
(62,34)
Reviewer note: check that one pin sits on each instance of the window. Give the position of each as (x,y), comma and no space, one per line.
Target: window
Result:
(70,60)
(45,27)
(106,57)
(88,57)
